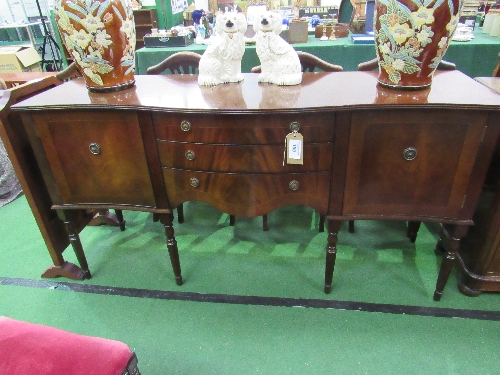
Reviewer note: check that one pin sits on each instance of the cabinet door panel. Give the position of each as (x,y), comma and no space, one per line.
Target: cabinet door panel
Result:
(248,194)
(412,164)
(117,172)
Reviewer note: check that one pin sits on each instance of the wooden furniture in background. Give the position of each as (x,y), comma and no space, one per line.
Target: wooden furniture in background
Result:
(145,20)
(310,63)
(479,255)
(369,152)
(373,65)
(178,63)
(496,72)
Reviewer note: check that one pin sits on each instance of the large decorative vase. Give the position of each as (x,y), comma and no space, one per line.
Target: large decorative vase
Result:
(100,37)
(411,37)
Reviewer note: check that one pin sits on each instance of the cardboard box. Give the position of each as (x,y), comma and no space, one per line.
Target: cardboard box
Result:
(168,41)
(19,59)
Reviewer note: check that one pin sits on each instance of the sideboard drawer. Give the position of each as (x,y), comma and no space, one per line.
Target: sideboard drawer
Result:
(243,159)
(242,129)
(248,194)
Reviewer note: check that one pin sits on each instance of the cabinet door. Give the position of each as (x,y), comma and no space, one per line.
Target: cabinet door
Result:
(96,157)
(410,163)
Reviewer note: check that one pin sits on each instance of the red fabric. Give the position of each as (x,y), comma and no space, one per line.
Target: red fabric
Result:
(27,348)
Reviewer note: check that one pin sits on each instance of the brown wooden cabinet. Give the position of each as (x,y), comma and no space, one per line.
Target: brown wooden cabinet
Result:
(369,152)
(145,20)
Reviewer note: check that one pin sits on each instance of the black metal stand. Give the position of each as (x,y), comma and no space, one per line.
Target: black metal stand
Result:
(55,64)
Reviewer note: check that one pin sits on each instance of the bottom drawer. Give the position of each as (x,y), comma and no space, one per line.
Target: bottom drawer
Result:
(248,194)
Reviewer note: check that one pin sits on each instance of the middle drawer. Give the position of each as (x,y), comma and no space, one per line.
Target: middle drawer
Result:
(242,159)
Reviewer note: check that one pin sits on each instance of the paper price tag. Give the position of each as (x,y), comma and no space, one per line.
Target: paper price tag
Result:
(294,149)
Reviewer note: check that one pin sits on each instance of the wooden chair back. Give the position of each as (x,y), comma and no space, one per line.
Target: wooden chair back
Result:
(179,63)
(309,63)
(373,65)
(496,72)
(70,72)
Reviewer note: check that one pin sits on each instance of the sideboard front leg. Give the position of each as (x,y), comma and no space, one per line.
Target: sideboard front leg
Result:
(453,236)
(413,227)
(331,253)
(173,252)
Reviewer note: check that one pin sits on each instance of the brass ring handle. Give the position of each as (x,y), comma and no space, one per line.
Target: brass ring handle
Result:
(194,182)
(95,148)
(410,153)
(294,185)
(185,125)
(190,155)
(294,126)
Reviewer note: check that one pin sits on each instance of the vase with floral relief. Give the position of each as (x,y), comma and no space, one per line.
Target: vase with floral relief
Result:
(99,36)
(411,38)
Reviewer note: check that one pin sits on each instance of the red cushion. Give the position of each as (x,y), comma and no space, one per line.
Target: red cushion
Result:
(27,348)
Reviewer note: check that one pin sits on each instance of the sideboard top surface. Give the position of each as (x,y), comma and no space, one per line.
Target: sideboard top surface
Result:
(327,91)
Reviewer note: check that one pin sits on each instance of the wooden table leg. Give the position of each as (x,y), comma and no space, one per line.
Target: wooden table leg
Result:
(452,234)
(166,220)
(331,253)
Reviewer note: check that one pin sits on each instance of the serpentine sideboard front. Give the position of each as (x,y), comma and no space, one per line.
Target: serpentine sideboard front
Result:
(368,152)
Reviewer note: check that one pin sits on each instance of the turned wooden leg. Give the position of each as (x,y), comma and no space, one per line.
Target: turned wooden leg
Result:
(453,235)
(413,227)
(265,226)
(331,253)
(321,223)
(351,226)
(173,252)
(156,217)
(119,217)
(232,220)
(180,213)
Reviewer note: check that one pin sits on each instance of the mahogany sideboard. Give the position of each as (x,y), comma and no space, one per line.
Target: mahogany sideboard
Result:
(368,152)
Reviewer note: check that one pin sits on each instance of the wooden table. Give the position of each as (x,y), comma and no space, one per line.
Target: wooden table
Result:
(369,152)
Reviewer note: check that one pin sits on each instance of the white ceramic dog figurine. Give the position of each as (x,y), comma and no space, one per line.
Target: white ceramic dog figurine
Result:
(279,62)
(221,62)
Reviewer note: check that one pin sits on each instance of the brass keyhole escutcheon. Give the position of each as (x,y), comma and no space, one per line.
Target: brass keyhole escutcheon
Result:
(190,155)
(294,126)
(294,185)
(95,148)
(410,153)
(185,125)
(194,182)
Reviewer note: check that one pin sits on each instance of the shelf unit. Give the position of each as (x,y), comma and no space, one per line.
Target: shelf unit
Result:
(145,20)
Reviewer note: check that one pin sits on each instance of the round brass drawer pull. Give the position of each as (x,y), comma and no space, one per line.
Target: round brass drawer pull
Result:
(294,185)
(194,182)
(410,153)
(190,155)
(95,148)
(185,125)
(294,126)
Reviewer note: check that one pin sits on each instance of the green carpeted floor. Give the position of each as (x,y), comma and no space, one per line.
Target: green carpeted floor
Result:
(210,326)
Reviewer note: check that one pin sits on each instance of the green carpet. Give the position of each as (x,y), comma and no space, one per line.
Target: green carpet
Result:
(376,265)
